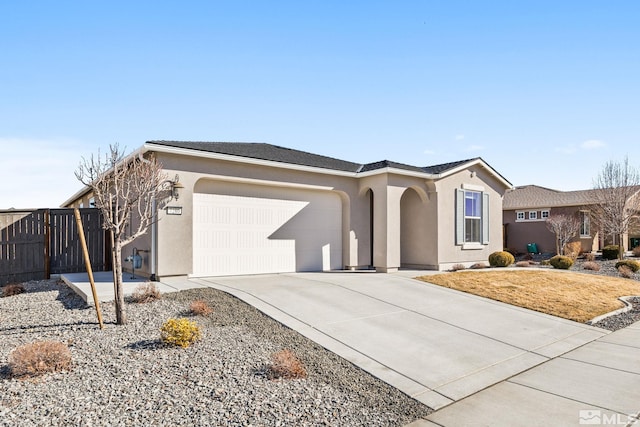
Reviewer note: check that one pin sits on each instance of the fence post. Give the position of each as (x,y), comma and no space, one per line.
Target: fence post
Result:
(47,245)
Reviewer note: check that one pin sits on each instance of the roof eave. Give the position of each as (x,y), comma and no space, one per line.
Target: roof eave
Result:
(473,162)
(149,146)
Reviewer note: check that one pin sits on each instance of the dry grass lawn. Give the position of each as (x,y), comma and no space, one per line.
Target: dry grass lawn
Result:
(573,296)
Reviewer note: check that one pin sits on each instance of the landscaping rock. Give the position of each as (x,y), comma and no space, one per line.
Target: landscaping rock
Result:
(124,375)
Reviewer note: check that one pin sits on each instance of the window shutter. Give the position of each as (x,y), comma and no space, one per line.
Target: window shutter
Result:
(485,218)
(459,217)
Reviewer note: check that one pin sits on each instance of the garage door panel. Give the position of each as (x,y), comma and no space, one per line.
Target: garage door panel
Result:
(291,230)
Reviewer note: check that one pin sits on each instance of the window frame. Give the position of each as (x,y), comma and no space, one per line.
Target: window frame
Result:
(460,217)
(585,224)
(533,215)
(476,219)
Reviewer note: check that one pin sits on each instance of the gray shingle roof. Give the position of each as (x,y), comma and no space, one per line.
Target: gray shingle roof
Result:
(264,152)
(389,164)
(275,153)
(533,196)
(435,169)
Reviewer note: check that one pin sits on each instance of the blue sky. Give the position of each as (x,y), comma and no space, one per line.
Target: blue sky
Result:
(544,91)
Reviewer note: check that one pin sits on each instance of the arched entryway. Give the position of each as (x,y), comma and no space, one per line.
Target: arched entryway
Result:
(415,226)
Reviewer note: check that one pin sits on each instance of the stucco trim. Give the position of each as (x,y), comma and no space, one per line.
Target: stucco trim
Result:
(482,163)
(254,181)
(472,187)
(473,246)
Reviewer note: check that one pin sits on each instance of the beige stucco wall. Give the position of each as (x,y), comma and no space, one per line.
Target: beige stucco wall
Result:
(449,252)
(413,217)
(175,233)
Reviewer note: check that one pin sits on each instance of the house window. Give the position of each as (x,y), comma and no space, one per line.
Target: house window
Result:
(81,205)
(533,214)
(544,214)
(92,202)
(472,218)
(585,224)
(519,216)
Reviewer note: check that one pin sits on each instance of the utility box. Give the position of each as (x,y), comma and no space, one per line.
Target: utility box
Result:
(532,248)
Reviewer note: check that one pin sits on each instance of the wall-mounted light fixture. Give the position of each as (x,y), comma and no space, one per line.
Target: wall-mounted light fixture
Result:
(175,187)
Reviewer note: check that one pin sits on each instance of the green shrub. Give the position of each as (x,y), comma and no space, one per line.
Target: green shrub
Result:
(633,265)
(501,259)
(561,262)
(181,332)
(545,262)
(610,251)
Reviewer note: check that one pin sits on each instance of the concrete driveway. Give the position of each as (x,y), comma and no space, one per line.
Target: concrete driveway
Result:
(435,344)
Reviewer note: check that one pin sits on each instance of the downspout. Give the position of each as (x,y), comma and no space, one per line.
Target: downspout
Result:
(154,241)
(153,256)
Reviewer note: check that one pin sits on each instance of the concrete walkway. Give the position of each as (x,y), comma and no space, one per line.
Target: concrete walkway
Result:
(595,384)
(477,362)
(79,282)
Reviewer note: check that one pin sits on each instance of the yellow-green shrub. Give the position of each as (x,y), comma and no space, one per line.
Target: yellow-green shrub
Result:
(181,332)
(561,262)
(633,265)
(501,259)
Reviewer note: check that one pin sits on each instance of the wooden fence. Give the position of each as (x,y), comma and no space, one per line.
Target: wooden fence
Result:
(36,244)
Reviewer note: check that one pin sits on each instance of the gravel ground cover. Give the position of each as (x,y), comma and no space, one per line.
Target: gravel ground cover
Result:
(124,375)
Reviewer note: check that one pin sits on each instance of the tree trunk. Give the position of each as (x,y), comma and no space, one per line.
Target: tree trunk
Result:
(121,318)
(620,246)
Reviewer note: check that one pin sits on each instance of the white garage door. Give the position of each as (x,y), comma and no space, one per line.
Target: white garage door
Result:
(256,229)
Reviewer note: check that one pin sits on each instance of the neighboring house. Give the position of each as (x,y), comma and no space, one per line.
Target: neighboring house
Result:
(526,209)
(248,208)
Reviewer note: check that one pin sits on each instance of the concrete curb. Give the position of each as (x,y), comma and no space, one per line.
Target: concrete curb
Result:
(628,306)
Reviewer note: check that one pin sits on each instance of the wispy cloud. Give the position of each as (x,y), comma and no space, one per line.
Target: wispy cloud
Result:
(459,137)
(593,144)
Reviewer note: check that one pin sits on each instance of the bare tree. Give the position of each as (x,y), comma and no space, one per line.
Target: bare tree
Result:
(616,207)
(565,227)
(124,190)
